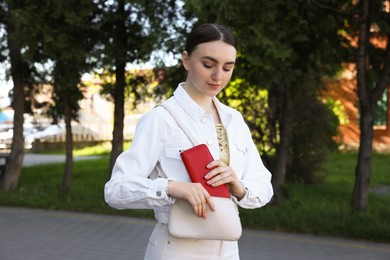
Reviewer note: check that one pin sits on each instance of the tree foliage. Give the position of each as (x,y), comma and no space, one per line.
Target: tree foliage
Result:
(283,46)
(252,102)
(311,140)
(68,38)
(370,27)
(130,32)
(56,35)
(285,49)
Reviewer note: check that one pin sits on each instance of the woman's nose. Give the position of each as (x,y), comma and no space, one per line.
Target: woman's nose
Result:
(217,74)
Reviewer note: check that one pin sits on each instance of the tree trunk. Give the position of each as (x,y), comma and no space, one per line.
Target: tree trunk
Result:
(67,178)
(14,165)
(119,114)
(363,167)
(119,91)
(368,98)
(282,153)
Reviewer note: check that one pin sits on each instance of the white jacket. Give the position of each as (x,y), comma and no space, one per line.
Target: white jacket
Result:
(141,173)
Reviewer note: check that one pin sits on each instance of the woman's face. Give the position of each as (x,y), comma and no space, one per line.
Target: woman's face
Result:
(209,67)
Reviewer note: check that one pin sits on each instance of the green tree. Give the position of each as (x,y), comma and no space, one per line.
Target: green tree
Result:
(283,45)
(9,15)
(371,21)
(60,35)
(311,138)
(69,40)
(130,31)
(22,71)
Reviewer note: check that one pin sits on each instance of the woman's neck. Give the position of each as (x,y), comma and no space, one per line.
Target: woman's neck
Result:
(205,102)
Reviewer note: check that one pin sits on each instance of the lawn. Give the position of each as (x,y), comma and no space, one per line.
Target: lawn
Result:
(320,209)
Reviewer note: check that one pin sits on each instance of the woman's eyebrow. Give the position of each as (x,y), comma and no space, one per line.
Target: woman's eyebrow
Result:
(215,60)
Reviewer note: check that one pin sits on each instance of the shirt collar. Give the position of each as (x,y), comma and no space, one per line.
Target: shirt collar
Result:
(194,110)
(187,103)
(224,112)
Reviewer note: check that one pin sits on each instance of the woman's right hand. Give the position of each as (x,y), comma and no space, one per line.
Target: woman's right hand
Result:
(194,193)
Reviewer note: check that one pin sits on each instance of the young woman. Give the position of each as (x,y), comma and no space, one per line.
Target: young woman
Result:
(151,175)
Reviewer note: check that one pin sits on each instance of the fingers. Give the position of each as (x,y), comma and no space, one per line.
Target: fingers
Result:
(202,205)
(195,194)
(221,175)
(215,163)
(198,203)
(220,179)
(199,198)
(210,202)
(216,167)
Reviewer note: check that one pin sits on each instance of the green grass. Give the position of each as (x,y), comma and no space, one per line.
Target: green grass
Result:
(324,209)
(101,149)
(39,188)
(320,209)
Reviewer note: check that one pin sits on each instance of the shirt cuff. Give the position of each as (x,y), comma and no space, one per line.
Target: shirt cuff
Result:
(236,200)
(160,188)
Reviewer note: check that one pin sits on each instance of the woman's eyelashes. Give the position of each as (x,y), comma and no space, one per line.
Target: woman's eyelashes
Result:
(209,66)
(227,69)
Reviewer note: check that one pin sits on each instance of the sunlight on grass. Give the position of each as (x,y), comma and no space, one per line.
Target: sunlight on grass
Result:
(100,149)
(94,150)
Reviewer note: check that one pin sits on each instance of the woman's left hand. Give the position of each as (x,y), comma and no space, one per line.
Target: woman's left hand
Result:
(224,174)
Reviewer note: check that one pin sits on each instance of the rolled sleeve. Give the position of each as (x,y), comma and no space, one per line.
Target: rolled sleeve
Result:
(159,190)
(255,197)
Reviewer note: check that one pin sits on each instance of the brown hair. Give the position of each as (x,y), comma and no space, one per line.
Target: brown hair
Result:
(208,32)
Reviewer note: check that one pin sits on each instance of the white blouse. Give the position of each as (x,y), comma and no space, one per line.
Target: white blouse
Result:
(141,173)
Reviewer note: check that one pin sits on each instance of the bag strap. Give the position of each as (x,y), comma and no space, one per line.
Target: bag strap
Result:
(185,129)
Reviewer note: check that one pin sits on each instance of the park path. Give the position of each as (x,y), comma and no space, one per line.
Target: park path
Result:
(35,234)
(31,159)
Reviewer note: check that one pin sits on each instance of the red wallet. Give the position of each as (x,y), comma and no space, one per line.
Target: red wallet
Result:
(195,160)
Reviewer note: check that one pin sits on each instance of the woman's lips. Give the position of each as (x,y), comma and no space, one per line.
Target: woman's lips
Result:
(213,86)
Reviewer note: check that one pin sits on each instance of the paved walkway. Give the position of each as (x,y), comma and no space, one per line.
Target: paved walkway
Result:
(31,159)
(33,234)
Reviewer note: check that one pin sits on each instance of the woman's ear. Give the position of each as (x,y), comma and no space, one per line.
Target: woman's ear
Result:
(186,59)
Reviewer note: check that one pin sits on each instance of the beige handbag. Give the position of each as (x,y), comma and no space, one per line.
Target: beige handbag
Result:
(222,224)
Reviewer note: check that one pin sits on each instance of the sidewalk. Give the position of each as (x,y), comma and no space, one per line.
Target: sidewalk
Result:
(31,159)
(56,235)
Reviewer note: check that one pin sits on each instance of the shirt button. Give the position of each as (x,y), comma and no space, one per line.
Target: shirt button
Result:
(210,142)
(204,120)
